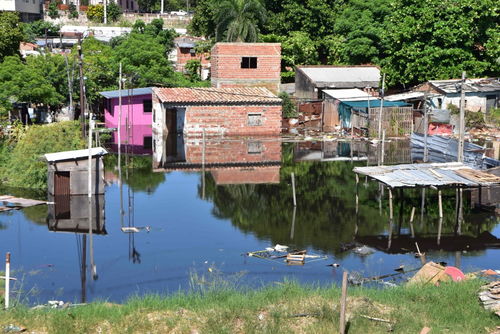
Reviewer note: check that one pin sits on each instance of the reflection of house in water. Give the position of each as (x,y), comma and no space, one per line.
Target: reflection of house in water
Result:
(395,151)
(230,160)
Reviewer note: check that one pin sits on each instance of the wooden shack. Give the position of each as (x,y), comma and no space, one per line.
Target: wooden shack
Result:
(68,172)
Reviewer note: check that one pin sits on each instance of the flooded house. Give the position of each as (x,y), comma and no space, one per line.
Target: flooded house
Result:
(68,172)
(234,111)
(136,117)
(246,64)
(311,80)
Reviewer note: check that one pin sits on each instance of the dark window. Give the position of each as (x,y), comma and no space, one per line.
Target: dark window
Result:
(185,51)
(254,119)
(148,106)
(147,142)
(249,62)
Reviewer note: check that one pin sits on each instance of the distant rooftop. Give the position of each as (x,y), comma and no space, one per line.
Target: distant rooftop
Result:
(471,85)
(342,76)
(237,95)
(111,94)
(352,94)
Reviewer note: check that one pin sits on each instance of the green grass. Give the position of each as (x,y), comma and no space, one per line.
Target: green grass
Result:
(449,308)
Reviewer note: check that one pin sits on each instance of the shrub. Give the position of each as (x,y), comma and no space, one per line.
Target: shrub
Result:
(114,11)
(289,108)
(72,12)
(53,11)
(25,167)
(95,13)
(193,67)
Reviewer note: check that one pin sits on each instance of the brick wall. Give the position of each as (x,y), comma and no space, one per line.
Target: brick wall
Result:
(184,57)
(234,151)
(226,65)
(232,120)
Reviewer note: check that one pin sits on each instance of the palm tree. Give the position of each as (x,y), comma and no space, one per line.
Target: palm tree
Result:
(238,20)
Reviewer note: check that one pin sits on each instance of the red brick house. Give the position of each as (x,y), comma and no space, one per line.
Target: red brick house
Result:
(185,51)
(246,64)
(217,111)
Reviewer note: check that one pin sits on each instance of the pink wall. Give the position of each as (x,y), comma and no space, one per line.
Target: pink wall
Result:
(133,111)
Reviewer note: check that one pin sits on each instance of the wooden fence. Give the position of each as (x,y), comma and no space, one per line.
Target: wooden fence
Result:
(396,121)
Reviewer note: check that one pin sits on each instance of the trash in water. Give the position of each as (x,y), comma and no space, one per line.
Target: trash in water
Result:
(364,250)
(134,229)
(280,253)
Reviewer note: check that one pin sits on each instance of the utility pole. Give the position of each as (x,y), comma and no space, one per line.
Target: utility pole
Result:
(71,114)
(89,180)
(161,6)
(120,84)
(381,109)
(426,128)
(460,153)
(82,84)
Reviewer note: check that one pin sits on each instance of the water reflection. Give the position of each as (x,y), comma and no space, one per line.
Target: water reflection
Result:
(84,217)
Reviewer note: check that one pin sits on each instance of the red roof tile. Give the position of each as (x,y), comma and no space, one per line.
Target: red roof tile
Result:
(258,95)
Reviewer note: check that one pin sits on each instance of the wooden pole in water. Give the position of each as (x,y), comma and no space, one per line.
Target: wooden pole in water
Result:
(343,302)
(411,222)
(391,216)
(203,165)
(383,148)
(381,108)
(293,190)
(7,280)
(422,207)
(440,203)
(460,153)
(357,193)
(292,231)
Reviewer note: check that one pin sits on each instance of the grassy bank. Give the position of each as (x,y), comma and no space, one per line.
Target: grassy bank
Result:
(285,308)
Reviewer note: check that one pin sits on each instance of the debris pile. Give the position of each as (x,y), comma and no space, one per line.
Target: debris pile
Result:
(490,297)
(280,253)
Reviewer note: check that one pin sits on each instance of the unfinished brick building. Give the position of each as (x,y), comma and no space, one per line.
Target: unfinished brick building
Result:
(246,64)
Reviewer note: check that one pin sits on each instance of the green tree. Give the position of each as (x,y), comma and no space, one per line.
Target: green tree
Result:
(239,20)
(114,11)
(10,34)
(193,67)
(203,22)
(72,11)
(53,11)
(38,28)
(438,39)
(288,106)
(299,49)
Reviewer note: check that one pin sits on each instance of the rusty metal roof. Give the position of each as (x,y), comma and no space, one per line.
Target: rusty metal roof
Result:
(254,95)
(427,175)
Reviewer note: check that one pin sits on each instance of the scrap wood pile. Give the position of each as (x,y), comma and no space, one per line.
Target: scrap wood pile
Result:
(281,254)
(490,297)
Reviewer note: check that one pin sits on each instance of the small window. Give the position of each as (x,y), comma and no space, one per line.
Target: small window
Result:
(185,51)
(254,119)
(254,147)
(147,142)
(148,106)
(249,62)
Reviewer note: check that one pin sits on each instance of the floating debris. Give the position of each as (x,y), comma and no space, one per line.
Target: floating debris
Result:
(364,250)
(16,203)
(280,253)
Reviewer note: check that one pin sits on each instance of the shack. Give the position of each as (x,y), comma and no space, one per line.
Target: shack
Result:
(357,110)
(68,172)
(215,111)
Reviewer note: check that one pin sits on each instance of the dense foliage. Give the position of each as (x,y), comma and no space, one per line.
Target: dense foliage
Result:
(412,41)
(95,13)
(24,166)
(40,28)
(11,34)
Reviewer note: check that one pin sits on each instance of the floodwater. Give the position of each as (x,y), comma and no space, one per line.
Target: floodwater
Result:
(196,209)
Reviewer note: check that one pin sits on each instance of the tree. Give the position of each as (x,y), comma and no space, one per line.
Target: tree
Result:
(299,49)
(438,39)
(193,67)
(203,22)
(114,11)
(53,11)
(38,29)
(10,34)
(238,20)
(289,108)
(72,11)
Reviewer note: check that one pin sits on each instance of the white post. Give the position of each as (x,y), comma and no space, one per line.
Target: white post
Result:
(381,108)
(460,153)
(293,190)
(105,12)
(91,243)
(161,6)
(383,148)
(7,280)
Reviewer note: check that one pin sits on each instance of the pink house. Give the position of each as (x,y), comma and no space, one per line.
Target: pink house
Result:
(136,117)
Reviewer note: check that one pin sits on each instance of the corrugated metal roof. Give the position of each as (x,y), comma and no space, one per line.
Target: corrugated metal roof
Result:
(337,76)
(425,175)
(405,96)
(258,95)
(471,85)
(77,154)
(111,94)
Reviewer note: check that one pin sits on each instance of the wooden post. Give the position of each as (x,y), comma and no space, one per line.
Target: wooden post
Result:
(411,222)
(343,302)
(440,228)
(381,108)
(292,231)
(422,207)
(460,153)
(7,280)
(293,190)
(440,203)
(460,211)
(357,193)
(391,215)
(383,148)
(426,128)
(203,165)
